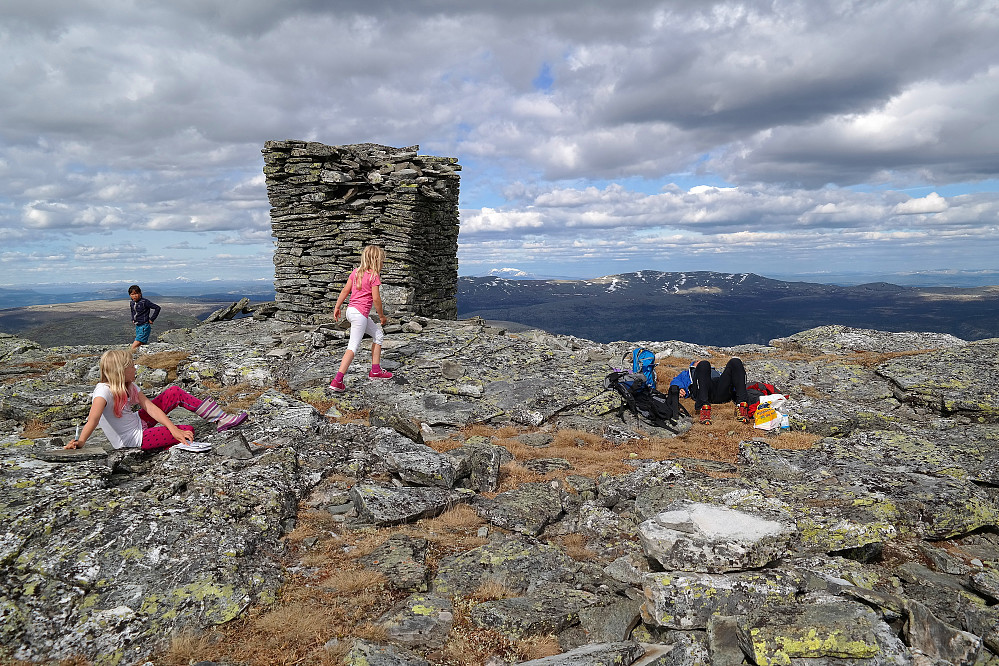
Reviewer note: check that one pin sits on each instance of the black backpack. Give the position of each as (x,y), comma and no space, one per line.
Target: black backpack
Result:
(662,410)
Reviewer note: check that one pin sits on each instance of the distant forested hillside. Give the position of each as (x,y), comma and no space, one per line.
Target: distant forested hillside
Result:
(722,308)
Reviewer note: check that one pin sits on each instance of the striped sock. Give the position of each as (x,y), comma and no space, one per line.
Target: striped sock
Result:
(210,411)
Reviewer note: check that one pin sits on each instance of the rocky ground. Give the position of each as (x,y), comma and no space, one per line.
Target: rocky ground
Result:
(877,545)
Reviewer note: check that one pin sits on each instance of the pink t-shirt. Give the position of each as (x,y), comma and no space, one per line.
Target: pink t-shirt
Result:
(360,298)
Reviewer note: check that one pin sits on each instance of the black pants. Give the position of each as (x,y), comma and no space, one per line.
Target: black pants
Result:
(731,385)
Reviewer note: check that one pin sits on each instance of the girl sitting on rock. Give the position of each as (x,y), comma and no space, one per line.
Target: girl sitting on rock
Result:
(116,395)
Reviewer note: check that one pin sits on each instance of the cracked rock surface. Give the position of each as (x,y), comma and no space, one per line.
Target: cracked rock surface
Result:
(779,558)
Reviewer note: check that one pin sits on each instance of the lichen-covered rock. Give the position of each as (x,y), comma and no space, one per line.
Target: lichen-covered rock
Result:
(935,638)
(610,620)
(402,560)
(384,505)
(689,648)
(86,556)
(367,653)
(527,509)
(414,463)
(106,554)
(479,465)
(838,339)
(419,620)
(820,629)
(521,565)
(60,406)
(682,600)
(961,380)
(869,490)
(547,611)
(613,489)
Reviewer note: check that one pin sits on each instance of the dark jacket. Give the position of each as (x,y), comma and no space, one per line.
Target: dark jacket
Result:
(144,311)
(686,378)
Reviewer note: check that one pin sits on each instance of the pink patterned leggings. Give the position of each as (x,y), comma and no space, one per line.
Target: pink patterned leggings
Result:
(157,436)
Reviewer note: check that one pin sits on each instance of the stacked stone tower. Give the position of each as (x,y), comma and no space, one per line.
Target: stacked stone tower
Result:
(328,202)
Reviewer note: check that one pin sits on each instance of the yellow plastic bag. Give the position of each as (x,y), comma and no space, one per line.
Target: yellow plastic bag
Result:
(767,418)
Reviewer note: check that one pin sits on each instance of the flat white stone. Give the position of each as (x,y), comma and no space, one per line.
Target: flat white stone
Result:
(717,522)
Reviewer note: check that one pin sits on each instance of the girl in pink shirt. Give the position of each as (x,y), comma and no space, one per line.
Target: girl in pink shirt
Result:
(362,287)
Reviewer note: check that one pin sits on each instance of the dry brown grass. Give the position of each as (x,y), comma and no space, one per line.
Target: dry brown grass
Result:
(454,531)
(867,359)
(35,428)
(322,405)
(185,647)
(901,551)
(459,518)
(361,416)
(591,455)
(575,547)
(238,396)
(794,440)
(168,361)
(812,392)
(492,590)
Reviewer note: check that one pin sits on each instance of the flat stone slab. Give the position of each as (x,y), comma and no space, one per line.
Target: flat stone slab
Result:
(72,455)
(713,539)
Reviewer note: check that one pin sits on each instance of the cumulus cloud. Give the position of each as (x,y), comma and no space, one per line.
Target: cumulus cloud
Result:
(806,119)
(931,203)
(724,228)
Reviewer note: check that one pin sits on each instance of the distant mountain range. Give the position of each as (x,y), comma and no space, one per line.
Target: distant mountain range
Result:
(723,309)
(710,308)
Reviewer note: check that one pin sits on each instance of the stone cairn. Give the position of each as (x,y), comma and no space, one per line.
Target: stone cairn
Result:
(328,202)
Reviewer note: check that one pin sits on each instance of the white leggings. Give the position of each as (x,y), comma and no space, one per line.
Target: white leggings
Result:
(359,325)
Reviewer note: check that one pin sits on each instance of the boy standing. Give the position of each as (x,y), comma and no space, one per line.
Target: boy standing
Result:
(144,313)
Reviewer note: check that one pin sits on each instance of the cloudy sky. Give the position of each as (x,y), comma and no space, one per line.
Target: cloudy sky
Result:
(778,137)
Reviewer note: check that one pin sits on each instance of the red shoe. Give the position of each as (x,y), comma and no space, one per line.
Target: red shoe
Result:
(338,386)
(704,415)
(381,374)
(742,412)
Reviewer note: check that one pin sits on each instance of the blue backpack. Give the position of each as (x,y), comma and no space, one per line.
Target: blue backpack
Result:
(643,361)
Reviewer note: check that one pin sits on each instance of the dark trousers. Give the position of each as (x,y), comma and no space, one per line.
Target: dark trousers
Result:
(731,385)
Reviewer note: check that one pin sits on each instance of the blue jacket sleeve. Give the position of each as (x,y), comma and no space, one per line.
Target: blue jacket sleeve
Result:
(154,311)
(682,380)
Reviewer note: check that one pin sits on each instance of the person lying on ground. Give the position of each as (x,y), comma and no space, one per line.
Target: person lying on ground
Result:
(706,386)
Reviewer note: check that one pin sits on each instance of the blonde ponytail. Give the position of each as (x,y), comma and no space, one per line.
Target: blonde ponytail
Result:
(372,259)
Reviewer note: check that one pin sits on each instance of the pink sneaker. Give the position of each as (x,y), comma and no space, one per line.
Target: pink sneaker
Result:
(381,374)
(338,386)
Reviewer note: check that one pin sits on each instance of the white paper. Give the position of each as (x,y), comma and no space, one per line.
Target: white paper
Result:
(197,447)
